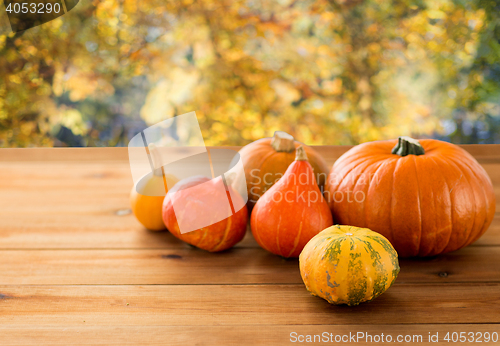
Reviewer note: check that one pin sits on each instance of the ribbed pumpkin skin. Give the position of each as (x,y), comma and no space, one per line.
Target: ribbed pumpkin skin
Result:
(283,227)
(217,237)
(348,269)
(264,166)
(425,205)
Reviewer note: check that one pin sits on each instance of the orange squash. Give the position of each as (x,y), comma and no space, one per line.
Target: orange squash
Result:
(348,265)
(144,202)
(198,203)
(292,211)
(146,208)
(267,159)
(427,197)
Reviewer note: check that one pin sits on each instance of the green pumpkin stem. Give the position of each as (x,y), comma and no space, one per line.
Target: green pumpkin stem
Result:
(283,142)
(408,146)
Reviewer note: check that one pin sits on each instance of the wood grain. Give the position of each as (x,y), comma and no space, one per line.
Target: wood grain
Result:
(235,266)
(48,205)
(77,268)
(482,153)
(72,154)
(190,305)
(87,334)
(145,267)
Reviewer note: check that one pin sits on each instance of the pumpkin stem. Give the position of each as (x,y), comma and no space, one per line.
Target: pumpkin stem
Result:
(408,146)
(300,154)
(282,141)
(155,159)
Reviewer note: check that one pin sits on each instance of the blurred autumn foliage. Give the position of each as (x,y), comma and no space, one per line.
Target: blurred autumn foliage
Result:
(327,72)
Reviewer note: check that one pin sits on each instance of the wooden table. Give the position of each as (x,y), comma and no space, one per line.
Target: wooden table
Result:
(77,268)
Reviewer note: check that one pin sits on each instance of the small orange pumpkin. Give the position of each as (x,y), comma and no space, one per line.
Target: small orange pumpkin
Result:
(144,201)
(146,207)
(216,237)
(267,159)
(427,197)
(291,212)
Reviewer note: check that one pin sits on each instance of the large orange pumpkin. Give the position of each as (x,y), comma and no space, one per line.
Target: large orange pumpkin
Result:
(198,203)
(291,212)
(427,197)
(267,159)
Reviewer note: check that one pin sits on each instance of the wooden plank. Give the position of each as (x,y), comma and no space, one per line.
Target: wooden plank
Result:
(192,305)
(237,266)
(63,154)
(482,153)
(65,204)
(466,265)
(104,231)
(85,205)
(87,334)
(492,235)
(72,205)
(143,267)
(119,154)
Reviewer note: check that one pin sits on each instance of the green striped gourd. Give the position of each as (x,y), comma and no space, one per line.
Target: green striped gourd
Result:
(348,265)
